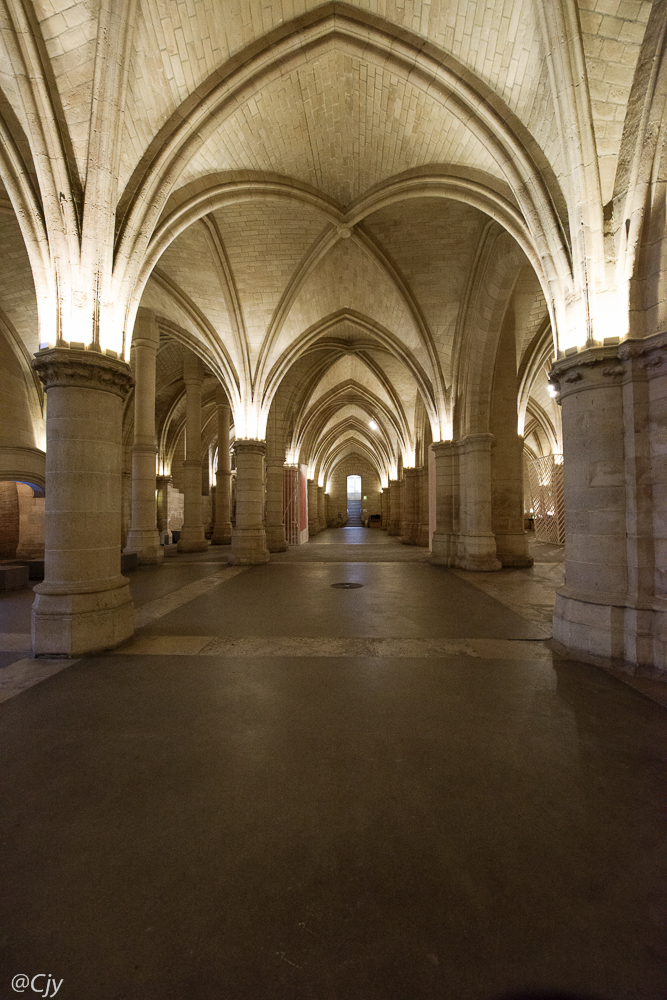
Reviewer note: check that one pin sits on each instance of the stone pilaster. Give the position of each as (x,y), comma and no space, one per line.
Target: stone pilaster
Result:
(143,537)
(83,605)
(384,509)
(248,535)
(321,508)
(313,520)
(162,486)
(477,542)
(422,516)
(507,496)
(222,525)
(394,526)
(192,533)
(409,524)
(443,551)
(275,511)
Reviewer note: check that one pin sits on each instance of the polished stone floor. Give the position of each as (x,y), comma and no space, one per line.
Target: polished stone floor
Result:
(281,788)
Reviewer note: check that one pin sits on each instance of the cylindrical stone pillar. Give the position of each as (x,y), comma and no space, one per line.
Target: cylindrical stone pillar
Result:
(275,506)
(384,508)
(394,507)
(222,525)
(162,486)
(477,537)
(443,551)
(248,534)
(422,517)
(83,605)
(409,525)
(192,533)
(313,520)
(321,508)
(143,537)
(590,609)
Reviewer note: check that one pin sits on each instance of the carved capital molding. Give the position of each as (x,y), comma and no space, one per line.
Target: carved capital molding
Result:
(249,446)
(476,442)
(595,368)
(443,449)
(73,369)
(599,367)
(648,355)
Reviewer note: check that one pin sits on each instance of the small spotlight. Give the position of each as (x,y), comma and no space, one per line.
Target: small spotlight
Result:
(552,389)
(373,426)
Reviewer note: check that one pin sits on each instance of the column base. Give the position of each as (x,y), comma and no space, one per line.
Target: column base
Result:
(147,546)
(75,624)
(192,541)
(443,551)
(275,538)
(478,554)
(394,528)
(409,534)
(248,547)
(512,549)
(422,535)
(222,535)
(631,639)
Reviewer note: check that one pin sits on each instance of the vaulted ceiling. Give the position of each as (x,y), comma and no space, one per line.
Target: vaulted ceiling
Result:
(333,203)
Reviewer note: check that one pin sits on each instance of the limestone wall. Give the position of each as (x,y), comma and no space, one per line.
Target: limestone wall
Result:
(370,488)
(31,524)
(9,520)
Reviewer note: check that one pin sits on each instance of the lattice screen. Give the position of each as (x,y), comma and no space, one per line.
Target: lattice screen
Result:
(546,497)
(291,504)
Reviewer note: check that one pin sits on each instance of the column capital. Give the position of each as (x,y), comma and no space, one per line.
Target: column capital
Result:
(476,442)
(249,446)
(442,448)
(146,342)
(597,367)
(64,367)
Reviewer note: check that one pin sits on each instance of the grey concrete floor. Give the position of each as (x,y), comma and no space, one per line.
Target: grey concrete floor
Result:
(319,827)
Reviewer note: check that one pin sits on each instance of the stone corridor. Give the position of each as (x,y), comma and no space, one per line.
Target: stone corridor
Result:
(283,789)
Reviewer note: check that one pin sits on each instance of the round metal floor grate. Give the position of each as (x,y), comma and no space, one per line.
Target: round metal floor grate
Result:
(346,586)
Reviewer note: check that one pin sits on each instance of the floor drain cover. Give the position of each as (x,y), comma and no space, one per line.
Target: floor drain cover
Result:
(346,586)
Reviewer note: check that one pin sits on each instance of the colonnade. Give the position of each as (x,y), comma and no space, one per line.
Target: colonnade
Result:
(614,603)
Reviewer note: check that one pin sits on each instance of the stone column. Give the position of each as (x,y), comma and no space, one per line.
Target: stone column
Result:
(162,486)
(248,534)
(321,508)
(222,525)
(409,524)
(591,608)
(443,552)
(394,527)
(83,605)
(313,521)
(478,542)
(192,533)
(422,517)
(384,509)
(143,537)
(275,506)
